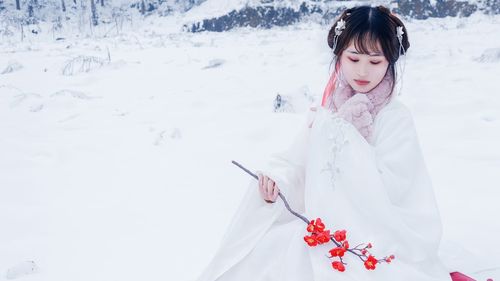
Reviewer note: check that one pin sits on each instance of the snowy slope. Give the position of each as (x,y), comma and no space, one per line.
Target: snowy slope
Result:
(124,173)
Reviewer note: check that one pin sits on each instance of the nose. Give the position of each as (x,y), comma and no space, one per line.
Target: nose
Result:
(362,70)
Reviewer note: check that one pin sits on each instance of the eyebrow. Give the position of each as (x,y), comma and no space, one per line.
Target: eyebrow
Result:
(371,55)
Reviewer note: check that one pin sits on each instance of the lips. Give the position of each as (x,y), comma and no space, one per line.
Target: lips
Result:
(361,82)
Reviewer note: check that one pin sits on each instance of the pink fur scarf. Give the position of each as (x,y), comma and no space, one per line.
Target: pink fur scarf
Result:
(359,109)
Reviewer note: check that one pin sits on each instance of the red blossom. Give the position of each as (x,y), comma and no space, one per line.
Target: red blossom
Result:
(318,235)
(337,252)
(371,262)
(390,258)
(310,226)
(316,226)
(338,266)
(311,240)
(339,235)
(323,237)
(320,226)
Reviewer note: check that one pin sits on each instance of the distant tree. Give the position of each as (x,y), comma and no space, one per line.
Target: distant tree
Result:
(93,10)
(492,6)
(56,25)
(31,17)
(63,6)
(143,7)
(18,5)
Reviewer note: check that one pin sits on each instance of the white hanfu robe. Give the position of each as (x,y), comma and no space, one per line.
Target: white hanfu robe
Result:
(379,192)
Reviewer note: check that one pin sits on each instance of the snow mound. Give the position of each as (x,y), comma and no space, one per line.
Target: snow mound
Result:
(83,64)
(12,66)
(490,55)
(298,100)
(23,268)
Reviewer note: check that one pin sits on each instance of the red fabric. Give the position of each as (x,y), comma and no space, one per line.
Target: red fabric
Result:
(457,276)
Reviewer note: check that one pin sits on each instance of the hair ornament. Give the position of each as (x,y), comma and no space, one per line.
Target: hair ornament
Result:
(401,69)
(399,34)
(338,30)
(340,27)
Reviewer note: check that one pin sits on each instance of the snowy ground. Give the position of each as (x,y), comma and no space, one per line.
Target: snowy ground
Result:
(124,173)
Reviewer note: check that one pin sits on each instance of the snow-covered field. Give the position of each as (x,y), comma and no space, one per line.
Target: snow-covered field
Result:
(124,172)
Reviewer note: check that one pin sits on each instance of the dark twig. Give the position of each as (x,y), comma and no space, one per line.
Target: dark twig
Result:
(280,194)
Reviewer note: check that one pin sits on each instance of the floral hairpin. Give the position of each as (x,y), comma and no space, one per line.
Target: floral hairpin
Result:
(399,34)
(338,30)
(340,27)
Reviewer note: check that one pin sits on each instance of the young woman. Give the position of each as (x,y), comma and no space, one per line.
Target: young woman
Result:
(356,164)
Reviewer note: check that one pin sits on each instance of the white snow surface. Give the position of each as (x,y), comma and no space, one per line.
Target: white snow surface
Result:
(123,172)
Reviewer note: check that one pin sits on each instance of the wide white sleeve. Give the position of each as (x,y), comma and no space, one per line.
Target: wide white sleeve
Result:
(403,171)
(254,216)
(287,168)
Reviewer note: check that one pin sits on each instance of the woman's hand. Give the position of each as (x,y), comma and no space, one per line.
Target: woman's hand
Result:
(267,188)
(356,111)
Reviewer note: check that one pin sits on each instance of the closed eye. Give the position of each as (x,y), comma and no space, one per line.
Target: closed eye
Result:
(374,63)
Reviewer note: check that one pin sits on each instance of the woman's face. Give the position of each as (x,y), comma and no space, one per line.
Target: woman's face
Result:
(362,71)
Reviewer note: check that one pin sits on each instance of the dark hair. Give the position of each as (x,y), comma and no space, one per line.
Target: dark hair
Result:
(365,26)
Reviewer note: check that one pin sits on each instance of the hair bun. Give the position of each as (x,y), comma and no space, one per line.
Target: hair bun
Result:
(384,9)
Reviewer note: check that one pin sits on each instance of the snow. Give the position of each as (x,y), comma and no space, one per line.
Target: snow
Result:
(123,172)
